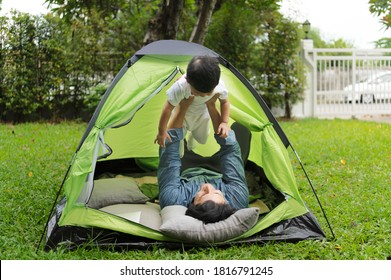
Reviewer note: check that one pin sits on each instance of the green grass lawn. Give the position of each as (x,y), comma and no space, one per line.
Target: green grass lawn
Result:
(348,161)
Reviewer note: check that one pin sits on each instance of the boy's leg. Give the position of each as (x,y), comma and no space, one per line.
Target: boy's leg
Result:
(199,132)
(190,142)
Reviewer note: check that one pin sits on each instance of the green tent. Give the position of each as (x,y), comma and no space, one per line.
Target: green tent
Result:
(119,145)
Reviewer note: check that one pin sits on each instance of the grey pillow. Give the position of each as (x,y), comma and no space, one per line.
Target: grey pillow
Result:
(115,191)
(180,226)
(147,214)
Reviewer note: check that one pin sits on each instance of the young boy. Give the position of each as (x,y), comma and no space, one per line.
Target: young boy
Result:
(201,82)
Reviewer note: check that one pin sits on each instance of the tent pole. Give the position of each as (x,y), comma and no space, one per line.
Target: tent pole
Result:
(313,190)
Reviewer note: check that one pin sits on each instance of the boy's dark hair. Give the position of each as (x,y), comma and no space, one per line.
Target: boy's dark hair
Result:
(210,212)
(203,73)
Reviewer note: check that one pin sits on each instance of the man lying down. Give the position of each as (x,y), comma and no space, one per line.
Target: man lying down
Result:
(208,196)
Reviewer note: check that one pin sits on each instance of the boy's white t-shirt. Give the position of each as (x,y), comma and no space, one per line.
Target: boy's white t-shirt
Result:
(181,89)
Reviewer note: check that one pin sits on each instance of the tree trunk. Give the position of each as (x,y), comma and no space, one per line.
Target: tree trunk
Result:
(166,22)
(204,17)
(288,107)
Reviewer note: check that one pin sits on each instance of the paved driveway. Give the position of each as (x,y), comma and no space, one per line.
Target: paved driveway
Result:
(376,118)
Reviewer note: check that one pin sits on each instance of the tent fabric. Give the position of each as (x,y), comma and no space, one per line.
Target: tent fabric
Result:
(125,124)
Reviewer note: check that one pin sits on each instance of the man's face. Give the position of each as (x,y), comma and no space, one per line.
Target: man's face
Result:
(208,192)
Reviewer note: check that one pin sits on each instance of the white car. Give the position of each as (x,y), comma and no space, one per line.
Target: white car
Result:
(374,89)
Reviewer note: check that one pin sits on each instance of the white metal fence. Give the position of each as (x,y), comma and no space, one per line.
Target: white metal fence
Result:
(346,82)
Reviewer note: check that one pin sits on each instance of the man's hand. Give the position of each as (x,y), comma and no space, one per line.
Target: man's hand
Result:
(185,103)
(180,113)
(212,102)
(223,130)
(161,138)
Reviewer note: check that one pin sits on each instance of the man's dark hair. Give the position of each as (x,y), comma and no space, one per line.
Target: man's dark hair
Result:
(203,73)
(210,212)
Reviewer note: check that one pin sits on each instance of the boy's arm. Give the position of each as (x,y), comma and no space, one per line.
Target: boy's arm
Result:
(223,128)
(224,108)
(213,113)
(162,130)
